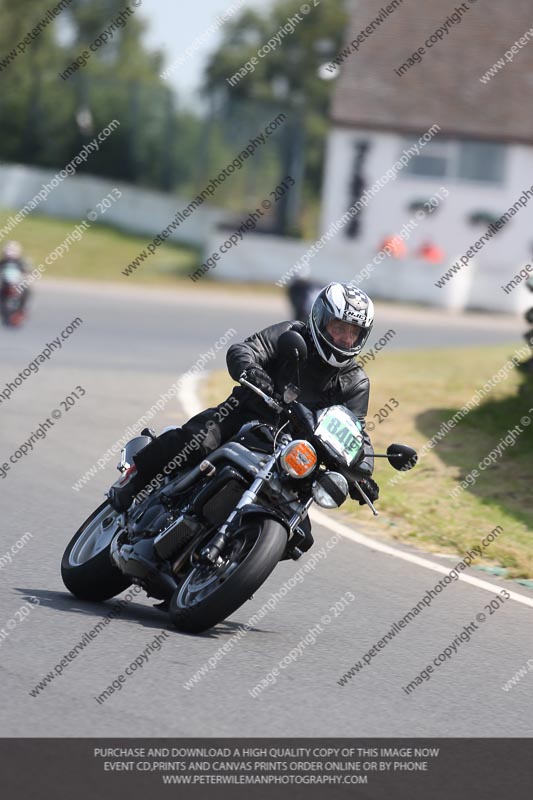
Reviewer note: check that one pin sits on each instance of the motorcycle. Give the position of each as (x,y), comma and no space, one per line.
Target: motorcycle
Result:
(12,295)
(207,538)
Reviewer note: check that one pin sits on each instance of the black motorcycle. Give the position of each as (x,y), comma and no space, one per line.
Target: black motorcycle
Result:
(208,538)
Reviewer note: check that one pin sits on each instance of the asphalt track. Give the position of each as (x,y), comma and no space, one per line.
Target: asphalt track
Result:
(132,346)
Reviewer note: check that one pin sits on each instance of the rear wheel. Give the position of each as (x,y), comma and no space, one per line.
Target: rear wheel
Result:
(210,593)
(86,566)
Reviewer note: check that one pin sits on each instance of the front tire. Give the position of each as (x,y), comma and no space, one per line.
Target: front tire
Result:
(86,566)
(210,594)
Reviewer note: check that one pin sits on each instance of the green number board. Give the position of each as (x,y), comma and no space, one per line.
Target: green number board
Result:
(340,430)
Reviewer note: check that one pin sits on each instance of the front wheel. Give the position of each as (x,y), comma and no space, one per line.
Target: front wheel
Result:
(86,566)
(5,313)
(211,593)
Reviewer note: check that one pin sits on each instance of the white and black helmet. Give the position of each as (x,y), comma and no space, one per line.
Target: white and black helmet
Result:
(343,302)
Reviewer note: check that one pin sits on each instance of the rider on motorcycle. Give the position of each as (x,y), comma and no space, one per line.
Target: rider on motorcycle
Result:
(12,254)
(12,269)
(337,329)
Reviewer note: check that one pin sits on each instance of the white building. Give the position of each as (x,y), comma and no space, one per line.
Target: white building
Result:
(482,154)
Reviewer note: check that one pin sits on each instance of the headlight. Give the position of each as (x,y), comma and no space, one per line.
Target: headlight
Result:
(330,490)
(298,459)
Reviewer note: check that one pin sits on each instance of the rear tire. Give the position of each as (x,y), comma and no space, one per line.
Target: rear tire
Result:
(86,566)
(208,595)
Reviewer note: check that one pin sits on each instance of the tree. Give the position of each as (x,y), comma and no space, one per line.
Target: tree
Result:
(289,73)
(46,119)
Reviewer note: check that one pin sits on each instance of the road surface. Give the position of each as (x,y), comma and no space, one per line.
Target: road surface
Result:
(131,347)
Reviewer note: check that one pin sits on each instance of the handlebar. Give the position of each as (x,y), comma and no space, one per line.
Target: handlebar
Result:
(271,403)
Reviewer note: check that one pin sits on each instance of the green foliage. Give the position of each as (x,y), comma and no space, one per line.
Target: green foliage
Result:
(46,119)
(296,60)
(289,74)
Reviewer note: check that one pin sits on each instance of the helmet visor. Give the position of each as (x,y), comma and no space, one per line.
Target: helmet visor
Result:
(341,335)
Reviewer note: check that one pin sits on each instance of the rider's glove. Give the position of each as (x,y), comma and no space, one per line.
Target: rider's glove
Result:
(261,379)
(369,487)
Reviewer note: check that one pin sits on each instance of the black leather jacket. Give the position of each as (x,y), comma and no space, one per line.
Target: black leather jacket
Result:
(321,384)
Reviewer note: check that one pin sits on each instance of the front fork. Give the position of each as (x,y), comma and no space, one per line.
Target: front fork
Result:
(211,552)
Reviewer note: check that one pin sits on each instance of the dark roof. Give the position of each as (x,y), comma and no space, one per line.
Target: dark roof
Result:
(445,87)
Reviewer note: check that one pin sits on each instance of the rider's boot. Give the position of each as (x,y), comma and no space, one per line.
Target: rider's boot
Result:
(121,494)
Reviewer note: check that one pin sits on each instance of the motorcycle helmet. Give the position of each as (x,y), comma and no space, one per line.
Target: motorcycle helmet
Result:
(350,306)
(12,251)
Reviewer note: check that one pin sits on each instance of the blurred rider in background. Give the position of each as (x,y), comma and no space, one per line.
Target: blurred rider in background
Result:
(12,254)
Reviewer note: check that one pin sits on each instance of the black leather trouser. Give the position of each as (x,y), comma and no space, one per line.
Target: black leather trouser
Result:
(187,446)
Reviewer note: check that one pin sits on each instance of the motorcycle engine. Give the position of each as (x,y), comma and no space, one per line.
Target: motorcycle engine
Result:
(150,520)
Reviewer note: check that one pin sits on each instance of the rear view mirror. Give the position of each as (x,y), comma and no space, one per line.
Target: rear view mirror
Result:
(291,345)
(401,457)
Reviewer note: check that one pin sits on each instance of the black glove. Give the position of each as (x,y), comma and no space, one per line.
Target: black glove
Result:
(369,487)
(261,379)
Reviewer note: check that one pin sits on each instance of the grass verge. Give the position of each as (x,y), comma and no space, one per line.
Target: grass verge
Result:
(102,252)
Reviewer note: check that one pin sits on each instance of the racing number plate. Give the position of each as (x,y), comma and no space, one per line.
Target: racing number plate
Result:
(340,430)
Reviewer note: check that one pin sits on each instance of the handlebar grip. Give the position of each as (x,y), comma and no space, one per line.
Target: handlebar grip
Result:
(271,403)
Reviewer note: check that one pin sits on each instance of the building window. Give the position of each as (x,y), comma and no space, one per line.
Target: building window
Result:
(434,159)
(481,161)
(459,159)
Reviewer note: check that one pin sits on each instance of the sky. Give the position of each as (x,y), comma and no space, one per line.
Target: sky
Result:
(174,26)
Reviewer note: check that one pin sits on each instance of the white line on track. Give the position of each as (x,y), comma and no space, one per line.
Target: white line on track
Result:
(188,394)
(343,530)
